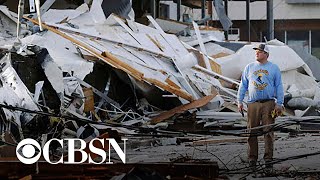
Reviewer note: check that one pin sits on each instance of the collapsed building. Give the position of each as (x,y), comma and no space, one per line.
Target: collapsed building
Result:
(83,72)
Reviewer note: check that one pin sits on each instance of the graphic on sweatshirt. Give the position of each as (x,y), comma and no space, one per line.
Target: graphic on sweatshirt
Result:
(258,81)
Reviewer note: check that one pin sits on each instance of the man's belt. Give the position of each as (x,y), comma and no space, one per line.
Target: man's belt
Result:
(264,100)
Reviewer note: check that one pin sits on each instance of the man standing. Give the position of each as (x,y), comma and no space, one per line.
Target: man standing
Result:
(262,80)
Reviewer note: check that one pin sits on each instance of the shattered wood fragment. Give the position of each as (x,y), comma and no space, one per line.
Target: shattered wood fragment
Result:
(199,57)
(89,100)
(219,55)
(155,42)
(180,109)
(215,67)
(171,83)
(90,58)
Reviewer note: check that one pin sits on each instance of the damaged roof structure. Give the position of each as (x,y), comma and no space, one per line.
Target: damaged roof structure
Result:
(85,72)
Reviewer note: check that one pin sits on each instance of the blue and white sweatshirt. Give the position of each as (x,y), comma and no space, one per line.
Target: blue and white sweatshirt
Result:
(262,81)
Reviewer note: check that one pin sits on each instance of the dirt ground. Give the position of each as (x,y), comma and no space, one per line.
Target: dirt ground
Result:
(295,157)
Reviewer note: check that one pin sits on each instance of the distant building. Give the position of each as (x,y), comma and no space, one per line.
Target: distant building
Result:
(296,21)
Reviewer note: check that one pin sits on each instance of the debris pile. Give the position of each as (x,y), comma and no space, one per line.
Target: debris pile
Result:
(85,75)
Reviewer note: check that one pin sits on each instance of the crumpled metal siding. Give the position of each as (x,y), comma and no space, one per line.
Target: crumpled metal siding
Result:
(119,7)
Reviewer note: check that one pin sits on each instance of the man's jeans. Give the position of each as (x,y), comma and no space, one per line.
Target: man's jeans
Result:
(259,113)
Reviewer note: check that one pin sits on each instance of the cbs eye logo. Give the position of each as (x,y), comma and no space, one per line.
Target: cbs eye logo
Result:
(27,150)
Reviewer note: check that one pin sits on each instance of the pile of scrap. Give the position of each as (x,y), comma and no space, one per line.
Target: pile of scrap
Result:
(75,73)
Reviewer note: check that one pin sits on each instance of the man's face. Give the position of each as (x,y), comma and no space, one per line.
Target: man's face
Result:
(261,55)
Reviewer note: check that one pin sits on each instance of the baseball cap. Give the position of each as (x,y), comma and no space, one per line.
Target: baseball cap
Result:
(262,47)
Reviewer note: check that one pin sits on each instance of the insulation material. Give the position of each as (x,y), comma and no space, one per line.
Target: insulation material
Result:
(283,56)
(215,49)
(54,74)
(298,84)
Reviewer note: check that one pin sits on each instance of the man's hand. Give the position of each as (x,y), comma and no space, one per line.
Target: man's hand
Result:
(278,111)
(240,108)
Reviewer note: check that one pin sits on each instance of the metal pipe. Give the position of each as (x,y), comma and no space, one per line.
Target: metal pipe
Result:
(270,20)
(178,9)
(203,9)
(226,10)
(39,13)
(248,19)
(20,14)
(153,8)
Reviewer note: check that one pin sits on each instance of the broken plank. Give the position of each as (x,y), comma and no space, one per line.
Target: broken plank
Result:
(180,109)
(215,66)
(171,83)
(89,100)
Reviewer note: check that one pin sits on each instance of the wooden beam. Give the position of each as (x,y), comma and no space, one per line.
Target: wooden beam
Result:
(180,109)
(171,83)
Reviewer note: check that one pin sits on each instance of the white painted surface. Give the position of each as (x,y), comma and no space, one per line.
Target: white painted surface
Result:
(281,10)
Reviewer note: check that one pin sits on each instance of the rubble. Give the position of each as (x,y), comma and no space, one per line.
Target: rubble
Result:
(86,76)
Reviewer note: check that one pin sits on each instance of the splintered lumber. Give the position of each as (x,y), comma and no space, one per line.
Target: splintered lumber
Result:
(110,59)
(200,56)
(180,109)
(89,101)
